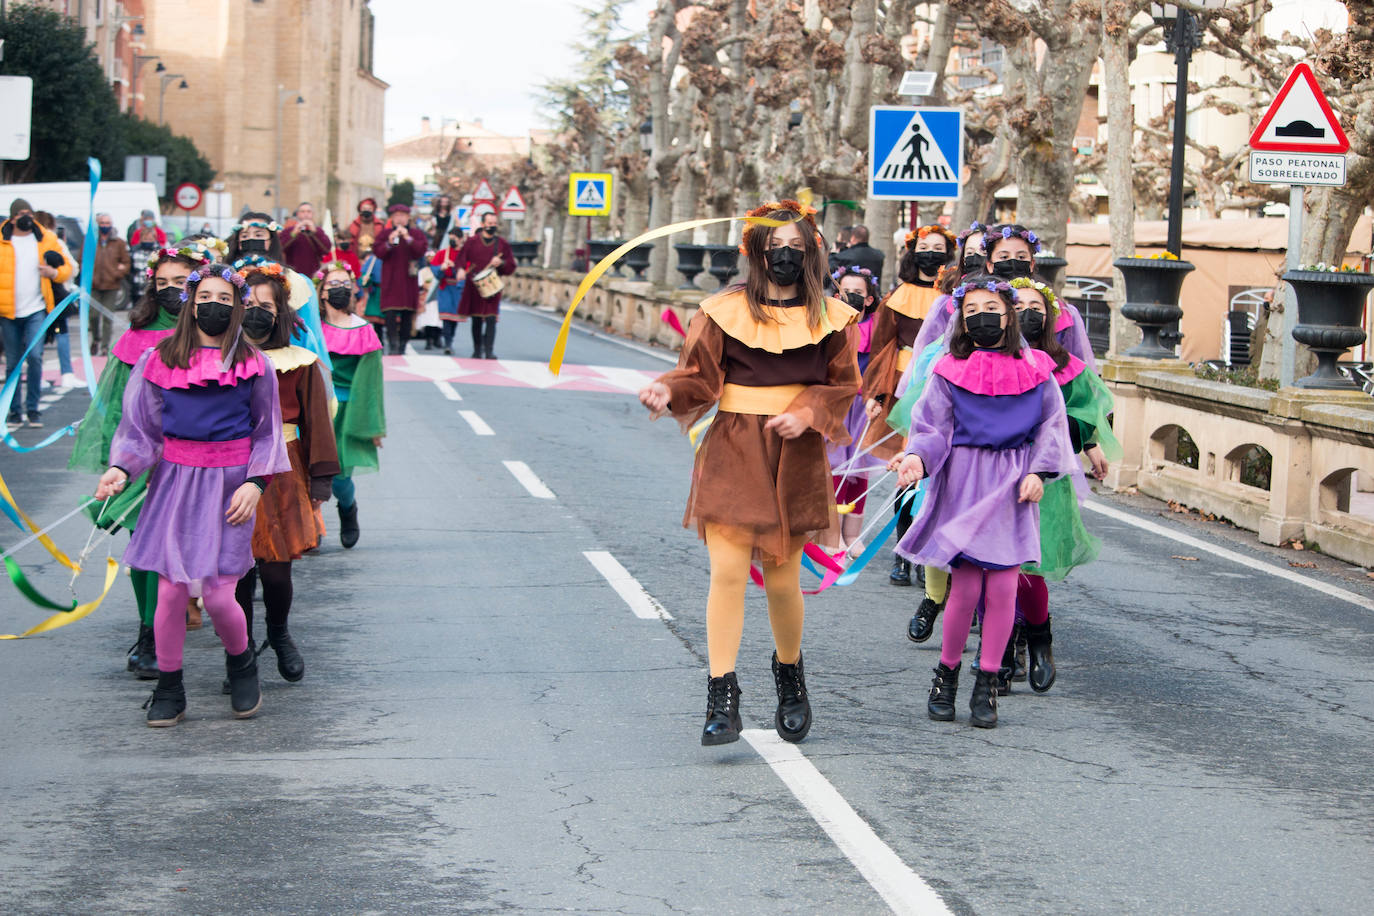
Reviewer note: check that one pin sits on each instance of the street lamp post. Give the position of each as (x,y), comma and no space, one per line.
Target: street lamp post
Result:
(139,61)
(162,92)
(282,96)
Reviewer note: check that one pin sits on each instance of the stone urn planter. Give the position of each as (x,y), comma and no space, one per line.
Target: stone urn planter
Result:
(638,259)
(1330,309)
(1051,269)
(1152,289)
(689,263)
(599,248)
(526,253)
(724,262)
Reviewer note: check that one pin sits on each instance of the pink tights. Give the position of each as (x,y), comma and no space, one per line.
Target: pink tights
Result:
(169,625)
(1033,599)
(997,587)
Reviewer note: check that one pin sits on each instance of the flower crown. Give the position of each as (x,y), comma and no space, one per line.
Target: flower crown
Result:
(271,226)
(991,239)
(202,250)
(228,274)
(328,266)
(992,286)
(251,260)
(854,270)
(973,228)
(1051,300)
(805,213)
(267,269)
(913,237)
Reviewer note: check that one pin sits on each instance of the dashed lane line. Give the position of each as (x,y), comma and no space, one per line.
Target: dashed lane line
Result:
(448,391)
(1249,562)
(528,479)
(627,586)
(479,426)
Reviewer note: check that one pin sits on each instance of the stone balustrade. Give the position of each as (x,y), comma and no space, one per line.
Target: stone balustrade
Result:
(1208,445)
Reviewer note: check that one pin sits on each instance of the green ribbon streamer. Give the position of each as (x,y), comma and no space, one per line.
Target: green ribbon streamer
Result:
(31,593)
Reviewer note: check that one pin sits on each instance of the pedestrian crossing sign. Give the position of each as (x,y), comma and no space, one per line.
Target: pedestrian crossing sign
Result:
(915,153)
(589,193)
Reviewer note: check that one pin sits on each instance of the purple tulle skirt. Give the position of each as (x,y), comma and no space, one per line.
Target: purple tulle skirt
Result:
(181,533)
(841,455)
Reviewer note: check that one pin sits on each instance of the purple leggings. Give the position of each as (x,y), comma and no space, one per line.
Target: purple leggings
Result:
(997,588)
(169,625)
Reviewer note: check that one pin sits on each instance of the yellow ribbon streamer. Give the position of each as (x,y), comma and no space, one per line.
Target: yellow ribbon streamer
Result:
(43,539)
(62,619)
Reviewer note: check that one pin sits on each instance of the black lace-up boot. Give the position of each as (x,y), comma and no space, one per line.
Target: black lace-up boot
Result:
(1041,668)
(723,723)
(923,623)
(793,718)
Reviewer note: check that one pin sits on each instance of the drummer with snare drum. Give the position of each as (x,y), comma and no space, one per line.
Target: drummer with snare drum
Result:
(486,258)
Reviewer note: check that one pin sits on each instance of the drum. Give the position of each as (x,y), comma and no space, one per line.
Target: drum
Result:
(488,282)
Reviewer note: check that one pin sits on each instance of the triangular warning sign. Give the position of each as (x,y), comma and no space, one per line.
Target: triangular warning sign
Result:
(484,191)
(1300,120)
(513,201)
(589,196)
(915,156)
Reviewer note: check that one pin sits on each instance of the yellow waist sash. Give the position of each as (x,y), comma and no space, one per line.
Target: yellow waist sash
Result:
(290,432)
(903,359)
(762,400)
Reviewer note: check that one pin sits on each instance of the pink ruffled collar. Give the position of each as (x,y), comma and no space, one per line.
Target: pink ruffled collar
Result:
(355,341)
(205,362)
(1072,369)
(996,373)
(1064,321)
(133,342)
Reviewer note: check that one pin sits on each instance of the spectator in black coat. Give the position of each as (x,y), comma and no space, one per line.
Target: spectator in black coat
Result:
(861,254)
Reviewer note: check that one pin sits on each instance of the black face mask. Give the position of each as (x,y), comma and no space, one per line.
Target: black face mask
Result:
(1032,324)
(930,261)
(366,215)
(974,263)
(213,317)
(339,298)
(985,328)
(258,322)
(489,230)
(253,246)
(784,265)
(169,300)
(855,300)
(1011,268)
(343,246)
(25,223)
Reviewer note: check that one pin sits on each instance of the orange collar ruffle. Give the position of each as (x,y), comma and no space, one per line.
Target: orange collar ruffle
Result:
(911,300)
(788,329)
(284,359)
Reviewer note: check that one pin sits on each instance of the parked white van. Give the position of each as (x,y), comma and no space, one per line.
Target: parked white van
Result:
(123,200)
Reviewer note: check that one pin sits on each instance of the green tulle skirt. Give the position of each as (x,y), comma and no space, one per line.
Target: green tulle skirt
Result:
(1064,541)
(1089,403)
(361,418)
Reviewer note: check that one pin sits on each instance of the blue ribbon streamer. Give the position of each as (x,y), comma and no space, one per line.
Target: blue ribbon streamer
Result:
(874,547)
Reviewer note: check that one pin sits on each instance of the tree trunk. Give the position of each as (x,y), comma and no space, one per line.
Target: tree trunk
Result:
(1120,196)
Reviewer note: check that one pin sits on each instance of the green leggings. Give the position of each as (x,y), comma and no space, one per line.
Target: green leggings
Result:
(145,593)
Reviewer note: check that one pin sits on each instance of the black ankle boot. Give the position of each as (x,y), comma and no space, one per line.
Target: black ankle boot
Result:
(245,694)
(1041,668)
(348,526)
(477,321)
(923,623)
(1018,638)
(167,705)
(144,655)
(940,706)
(723,723)
(489,338)
(290,665)
(983,703)
(1005,670)
(901,571)
(793,718)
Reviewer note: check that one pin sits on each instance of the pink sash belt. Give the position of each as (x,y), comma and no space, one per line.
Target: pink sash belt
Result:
(197,454)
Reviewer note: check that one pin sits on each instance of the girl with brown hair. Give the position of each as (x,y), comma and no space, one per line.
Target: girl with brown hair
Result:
(773,353)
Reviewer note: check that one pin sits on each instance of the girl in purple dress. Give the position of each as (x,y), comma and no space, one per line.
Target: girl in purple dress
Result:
(201,413)
(849,474)
(988,429)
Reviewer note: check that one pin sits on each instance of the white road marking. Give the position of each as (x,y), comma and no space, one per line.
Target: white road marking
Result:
(900,887)
(627,586)
(528,480)
(1240,558)
(448,391)
(479,426)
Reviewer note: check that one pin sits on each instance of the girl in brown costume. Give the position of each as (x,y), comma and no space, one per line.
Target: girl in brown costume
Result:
(774,354)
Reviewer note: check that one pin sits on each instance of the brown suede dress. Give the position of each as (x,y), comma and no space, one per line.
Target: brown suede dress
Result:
(770,493)
(285,525)
(899,320)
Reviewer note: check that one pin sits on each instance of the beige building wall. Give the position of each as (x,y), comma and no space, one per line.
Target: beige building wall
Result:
(246,65)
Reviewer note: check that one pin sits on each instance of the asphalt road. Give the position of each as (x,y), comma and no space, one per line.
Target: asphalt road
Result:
(486,726)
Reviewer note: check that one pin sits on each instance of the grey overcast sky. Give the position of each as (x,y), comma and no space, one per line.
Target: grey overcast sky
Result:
(472,59)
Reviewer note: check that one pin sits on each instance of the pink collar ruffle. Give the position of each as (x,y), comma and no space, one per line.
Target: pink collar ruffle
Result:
(351,341)
(1064,321)
(865,334)
(205,362)
(996,373)
(133,342)
(1072,370)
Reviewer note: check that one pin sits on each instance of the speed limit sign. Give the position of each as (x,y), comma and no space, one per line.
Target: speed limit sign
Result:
(187,196)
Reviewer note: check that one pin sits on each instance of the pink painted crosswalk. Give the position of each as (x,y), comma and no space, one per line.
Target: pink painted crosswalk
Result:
(514,373)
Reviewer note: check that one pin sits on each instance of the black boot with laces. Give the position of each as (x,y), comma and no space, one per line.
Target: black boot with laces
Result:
(167,705)
(1038,641)
(793,718)
(923,623)
(723,723)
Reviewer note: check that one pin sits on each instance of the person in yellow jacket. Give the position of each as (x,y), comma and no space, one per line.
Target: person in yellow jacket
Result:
(30,261)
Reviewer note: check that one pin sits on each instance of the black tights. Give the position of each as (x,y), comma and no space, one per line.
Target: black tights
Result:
(276,592)
(477,322)
(399,323)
